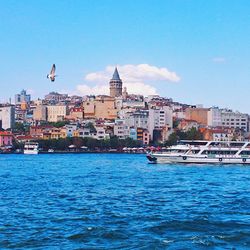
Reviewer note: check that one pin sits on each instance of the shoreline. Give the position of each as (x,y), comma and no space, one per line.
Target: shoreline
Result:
(76,152)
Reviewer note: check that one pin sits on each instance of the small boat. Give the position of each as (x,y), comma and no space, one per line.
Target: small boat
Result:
(205,152)
(31,148)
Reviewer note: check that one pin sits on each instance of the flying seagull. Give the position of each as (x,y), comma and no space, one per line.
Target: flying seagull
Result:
(52,75)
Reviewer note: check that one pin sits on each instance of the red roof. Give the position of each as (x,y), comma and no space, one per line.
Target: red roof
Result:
(188,120)
(219,131)
(76,110)
(25,137)
(4,133)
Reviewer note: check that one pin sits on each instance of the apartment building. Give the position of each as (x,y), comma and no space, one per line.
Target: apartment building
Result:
(160,117)
(56,113)
(7,116)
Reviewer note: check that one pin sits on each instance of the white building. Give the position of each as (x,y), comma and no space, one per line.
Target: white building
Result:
(123,113)
(56,112)
(227,118)
(121,130)
(84,132)
(214,117)
(179,114)
(232,119)
(160,117)
(137,119)
(222,136)
(7,117)
(100,133)
(133,104)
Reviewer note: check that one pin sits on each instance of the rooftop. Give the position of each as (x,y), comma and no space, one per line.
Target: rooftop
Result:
(116,75)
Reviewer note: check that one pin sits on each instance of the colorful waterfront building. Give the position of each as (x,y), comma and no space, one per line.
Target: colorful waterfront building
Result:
(6,138)
(146,137)
(140,134)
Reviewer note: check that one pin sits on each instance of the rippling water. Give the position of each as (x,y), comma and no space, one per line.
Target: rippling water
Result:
(118,201)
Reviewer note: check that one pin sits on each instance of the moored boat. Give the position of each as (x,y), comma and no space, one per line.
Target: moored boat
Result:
(220,152)
(31,148)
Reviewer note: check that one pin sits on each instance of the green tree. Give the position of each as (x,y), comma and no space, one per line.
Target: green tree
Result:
(175,123)
(114,142)
(20,128)
(91,126)
(91,143)
(172,139)
(59,124)
(194,134)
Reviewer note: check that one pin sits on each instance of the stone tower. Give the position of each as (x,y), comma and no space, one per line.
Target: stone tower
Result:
(115,85)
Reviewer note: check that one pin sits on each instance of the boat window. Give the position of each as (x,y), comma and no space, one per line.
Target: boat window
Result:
(245,152)
(219,152)
(194,151)
(226,144)
(193,143)
(236,144)
(177,150)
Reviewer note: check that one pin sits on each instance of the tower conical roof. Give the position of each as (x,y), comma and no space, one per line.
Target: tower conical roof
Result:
(116,75)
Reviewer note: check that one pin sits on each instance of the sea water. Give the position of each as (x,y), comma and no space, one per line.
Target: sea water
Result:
(119,201)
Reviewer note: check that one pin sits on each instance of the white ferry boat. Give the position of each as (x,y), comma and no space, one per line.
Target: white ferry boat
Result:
(31,148)
(221,152)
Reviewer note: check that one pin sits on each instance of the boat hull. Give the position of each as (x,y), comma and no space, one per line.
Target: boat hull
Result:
(30,152)
(157,158)
(204,152)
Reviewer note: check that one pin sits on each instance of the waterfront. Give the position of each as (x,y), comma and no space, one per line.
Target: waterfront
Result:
(119,201)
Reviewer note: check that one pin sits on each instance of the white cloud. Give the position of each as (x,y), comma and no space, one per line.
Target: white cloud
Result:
(137,78)
(131,73)
(219,59)
(96,90)
(135,88)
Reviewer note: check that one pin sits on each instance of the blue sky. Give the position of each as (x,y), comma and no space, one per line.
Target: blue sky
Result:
(206,43)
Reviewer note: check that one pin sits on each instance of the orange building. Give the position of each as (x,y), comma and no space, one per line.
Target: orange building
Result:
(102,107)
(198,114)
(140,134)
(37,131)
(146,137)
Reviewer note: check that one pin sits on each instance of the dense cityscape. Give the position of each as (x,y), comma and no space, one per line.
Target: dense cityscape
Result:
(125,125)
(122,121)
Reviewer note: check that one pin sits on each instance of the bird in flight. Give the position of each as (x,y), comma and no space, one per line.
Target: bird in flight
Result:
(52,74)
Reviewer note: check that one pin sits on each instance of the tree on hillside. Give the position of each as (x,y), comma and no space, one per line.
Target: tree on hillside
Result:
(20,128)
(58,124)
(192,134)
(172,139)
(91,127)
